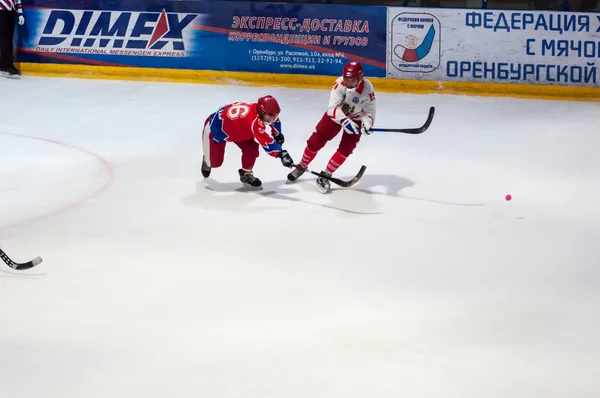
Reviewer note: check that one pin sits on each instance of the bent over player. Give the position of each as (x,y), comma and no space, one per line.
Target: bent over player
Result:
(351,110)
(245,125)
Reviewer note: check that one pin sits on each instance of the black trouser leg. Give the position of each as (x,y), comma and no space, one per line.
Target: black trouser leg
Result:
(7,29)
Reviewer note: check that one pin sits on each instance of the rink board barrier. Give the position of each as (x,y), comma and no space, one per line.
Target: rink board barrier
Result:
(420,50)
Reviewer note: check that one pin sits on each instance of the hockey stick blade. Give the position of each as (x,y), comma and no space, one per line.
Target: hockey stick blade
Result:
(342,183)
(417,130)
(19,266)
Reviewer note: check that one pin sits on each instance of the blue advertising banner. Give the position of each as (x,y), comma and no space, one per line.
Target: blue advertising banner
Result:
(312,39)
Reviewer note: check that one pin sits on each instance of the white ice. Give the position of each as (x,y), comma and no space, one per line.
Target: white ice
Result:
(420,282)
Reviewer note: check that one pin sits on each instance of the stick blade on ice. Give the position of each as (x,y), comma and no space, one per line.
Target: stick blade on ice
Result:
(19,266)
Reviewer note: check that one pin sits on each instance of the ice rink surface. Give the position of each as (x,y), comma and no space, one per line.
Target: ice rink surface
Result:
(421,281)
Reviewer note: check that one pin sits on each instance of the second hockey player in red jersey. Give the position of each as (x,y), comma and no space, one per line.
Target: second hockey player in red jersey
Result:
(351,110)
(245,125)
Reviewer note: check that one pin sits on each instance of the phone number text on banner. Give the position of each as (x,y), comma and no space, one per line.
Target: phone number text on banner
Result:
(547,48)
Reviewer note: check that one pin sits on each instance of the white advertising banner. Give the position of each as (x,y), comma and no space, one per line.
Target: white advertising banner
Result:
(534,47)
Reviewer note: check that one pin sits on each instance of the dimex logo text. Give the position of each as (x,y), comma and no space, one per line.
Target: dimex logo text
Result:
(115,33)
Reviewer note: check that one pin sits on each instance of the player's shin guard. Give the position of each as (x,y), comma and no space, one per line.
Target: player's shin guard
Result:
(307,157)
(335,162)
(249,158)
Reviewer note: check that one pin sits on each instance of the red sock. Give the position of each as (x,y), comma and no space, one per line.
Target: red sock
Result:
(248,161)
(335,162)
(307,157)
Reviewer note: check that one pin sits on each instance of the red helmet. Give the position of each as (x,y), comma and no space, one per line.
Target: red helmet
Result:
(353,70)
(268,105)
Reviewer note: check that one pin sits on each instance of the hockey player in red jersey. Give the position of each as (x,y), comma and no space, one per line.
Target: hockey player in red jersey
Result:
(245,125)
(351,110)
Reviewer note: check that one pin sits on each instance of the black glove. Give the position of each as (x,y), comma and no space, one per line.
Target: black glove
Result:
(279,138)
(286,159)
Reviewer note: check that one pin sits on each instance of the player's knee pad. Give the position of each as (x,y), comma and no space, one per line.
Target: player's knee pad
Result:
(251,149)
(347,147)
(216,153)
(316,141)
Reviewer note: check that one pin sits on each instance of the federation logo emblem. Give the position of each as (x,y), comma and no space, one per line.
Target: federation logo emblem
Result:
(415,42)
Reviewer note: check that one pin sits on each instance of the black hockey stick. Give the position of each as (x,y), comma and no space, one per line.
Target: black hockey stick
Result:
(339,182)
(417,130)
(19,266)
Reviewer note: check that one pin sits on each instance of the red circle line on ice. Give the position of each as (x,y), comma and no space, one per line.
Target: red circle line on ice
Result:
(110,173)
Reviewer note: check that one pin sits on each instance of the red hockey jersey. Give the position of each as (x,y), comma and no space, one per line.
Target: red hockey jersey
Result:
(239,122)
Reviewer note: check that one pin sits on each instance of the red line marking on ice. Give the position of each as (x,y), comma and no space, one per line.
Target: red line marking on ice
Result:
(79,203)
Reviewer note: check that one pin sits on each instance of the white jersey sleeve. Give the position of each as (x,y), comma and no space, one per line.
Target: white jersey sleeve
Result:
(357,104)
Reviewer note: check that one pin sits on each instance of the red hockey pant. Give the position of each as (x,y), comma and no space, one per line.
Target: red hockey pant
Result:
(214,152)
(326,130)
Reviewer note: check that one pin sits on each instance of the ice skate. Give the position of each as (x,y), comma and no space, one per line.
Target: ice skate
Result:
(323,185)
(205,168)
(247,178)
(296,173)
(11,72)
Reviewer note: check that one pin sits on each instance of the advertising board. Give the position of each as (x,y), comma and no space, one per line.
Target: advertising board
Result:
(534,47)
(206,35)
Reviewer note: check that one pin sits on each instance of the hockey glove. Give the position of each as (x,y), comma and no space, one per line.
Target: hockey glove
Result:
(350,127)
(286,159)
(279,138)
(366,126)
